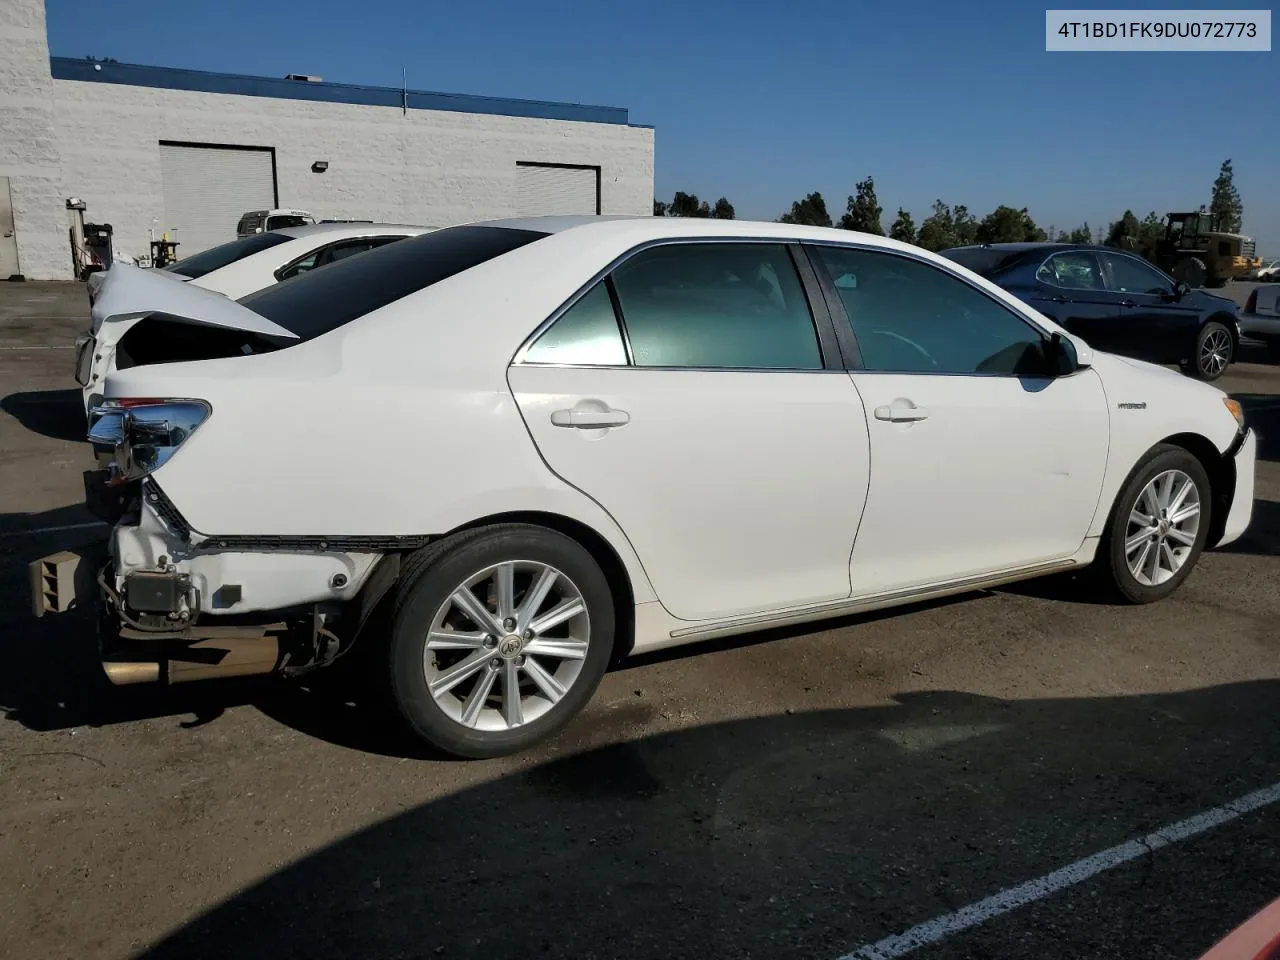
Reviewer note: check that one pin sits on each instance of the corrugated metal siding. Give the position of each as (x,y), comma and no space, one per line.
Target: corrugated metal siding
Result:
(208,189)
(548,191)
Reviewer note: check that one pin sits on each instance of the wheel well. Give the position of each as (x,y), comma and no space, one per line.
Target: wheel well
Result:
(601,551)
(1222,477)
(1229,322)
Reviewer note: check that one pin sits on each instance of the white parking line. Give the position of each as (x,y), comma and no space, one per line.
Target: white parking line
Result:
(948,924)
(39,530)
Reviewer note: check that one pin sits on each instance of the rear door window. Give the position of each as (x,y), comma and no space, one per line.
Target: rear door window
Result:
(717,305)
(323,300)
(1077,270)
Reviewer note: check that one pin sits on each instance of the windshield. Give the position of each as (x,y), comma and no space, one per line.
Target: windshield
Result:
(206,261)
(315,302)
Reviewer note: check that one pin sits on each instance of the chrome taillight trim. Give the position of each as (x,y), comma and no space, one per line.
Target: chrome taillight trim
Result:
(145,436)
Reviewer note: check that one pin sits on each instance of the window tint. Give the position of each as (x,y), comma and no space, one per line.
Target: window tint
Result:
(323,300)
(344,250)
(737,305)
(206,261)
(1077,270)
(286,220)
(911,317)
(302,266)
(586,333)
(1131,275)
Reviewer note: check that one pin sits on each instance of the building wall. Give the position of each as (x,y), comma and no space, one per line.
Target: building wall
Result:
(431,167)
(28,146)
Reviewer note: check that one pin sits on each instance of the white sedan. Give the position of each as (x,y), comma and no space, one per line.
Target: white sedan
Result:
(501,455)
(233,269)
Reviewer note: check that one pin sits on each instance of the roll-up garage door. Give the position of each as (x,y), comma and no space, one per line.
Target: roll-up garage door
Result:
(207,189)
(548,189)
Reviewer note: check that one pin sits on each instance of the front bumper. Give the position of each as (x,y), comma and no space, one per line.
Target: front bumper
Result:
(1241,510)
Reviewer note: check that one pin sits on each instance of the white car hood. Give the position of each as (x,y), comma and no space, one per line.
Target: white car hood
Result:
(126,293)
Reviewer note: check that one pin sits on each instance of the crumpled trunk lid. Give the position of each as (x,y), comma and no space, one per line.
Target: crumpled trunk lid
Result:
(126,292)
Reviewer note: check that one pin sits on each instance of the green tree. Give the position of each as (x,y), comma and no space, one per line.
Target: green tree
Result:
(1081,234)
(723,210)
(863,210)
(1062,237)
(965,226)
(688,205)
(659,208)
(1226,203)
(938,231)
(812,211)
(1123,232)
(1007,225)
(1150,232)
(903,228)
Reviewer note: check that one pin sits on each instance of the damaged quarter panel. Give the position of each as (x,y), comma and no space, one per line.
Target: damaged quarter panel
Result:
(400,423)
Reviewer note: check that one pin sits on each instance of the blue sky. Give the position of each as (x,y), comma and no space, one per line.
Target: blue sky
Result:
(764,102)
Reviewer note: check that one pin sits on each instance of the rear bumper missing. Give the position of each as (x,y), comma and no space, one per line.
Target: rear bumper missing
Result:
(174,607)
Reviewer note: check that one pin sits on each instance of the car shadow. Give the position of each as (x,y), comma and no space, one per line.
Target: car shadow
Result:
(804,835)
(51,676)
(58,414)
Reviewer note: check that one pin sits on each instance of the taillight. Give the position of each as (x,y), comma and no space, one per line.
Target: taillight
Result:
(1251,305)
(144,432)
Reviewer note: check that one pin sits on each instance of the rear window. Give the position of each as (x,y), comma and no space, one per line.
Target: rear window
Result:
(318,301)
(287,220)
(206,261)
(980,261)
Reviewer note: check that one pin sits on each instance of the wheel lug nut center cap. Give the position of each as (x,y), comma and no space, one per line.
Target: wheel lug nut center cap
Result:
(511,645)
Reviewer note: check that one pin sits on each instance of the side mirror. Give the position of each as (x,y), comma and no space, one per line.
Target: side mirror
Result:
(1062,356)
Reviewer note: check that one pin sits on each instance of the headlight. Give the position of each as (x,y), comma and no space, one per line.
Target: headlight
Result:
(1236,410)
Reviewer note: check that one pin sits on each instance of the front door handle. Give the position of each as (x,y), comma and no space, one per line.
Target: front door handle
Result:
(1128,303)
(590,419)
(901,410)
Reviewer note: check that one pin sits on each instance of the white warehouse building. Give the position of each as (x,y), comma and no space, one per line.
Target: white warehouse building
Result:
(151,150)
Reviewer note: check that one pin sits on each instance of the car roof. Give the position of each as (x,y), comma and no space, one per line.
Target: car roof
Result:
(640,229)
(1035,246)
(340,230)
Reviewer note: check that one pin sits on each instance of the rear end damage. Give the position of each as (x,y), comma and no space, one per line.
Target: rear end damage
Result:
(178,605)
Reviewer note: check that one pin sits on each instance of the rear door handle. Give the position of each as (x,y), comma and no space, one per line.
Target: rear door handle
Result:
(1128,303)
(590,419)
(901,410)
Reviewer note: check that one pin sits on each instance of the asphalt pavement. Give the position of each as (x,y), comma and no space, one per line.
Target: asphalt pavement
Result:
(809,793)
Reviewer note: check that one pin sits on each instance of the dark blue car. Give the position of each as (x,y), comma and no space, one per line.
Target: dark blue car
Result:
(1115,301)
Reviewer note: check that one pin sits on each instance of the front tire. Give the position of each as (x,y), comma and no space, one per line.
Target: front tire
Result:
(499,638)
(1214,352)
(1157,528)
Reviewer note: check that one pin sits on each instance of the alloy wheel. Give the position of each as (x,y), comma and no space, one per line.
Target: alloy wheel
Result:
(506,646)
(1162,528)
(1215,350)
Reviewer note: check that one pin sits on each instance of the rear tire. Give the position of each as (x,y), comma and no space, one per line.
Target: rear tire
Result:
(1125,568)
(1214,352)
(466,612)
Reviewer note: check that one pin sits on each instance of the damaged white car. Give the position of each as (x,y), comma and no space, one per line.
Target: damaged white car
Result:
(502,455)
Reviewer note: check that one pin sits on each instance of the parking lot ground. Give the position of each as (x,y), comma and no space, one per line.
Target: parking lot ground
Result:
(806,793)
